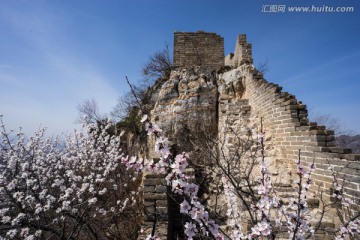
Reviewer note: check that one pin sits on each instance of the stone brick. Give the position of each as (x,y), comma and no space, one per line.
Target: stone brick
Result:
(154,182)
(149,188)
(154,197)
(160,189)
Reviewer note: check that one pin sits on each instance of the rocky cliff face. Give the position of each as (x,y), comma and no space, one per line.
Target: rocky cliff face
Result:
(186,103)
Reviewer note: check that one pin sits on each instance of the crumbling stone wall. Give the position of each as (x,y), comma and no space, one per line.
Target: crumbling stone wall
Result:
(285,120)
(198,49)
(288,130)
(242,54)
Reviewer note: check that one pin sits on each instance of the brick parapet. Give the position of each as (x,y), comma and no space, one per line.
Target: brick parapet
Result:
(285,120)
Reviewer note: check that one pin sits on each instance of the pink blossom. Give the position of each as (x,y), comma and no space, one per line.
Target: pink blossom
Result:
(262,189)
(261,229)
(213,227)
(191,189)
(190,230)
(197,213)
(261,137)
(177,186)
(300,169)
(185,207)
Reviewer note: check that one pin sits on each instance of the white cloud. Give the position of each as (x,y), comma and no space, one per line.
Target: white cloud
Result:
(322,67)
(46,93)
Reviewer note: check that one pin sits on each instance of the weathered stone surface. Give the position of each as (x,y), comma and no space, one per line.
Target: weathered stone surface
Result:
(193,106)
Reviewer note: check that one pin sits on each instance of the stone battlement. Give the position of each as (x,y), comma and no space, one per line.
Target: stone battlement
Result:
(242,55)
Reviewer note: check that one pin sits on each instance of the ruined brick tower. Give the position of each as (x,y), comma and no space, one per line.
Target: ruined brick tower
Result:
(207,49)
(198,49)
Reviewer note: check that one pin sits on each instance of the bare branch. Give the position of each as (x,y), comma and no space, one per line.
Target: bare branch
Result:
(89,109)
(159,65)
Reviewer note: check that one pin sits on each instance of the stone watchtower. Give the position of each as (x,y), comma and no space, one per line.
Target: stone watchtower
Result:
(198,49)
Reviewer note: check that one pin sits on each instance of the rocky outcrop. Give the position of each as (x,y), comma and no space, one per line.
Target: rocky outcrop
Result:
(187,102)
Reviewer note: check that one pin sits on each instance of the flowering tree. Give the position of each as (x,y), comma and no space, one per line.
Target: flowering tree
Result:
(242,179)
(78,190)
(72,189)
(174,167)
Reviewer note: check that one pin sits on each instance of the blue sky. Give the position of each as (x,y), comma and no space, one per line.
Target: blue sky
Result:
(56,54)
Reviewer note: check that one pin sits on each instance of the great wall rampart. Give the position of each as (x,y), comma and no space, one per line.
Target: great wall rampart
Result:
(201,90)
